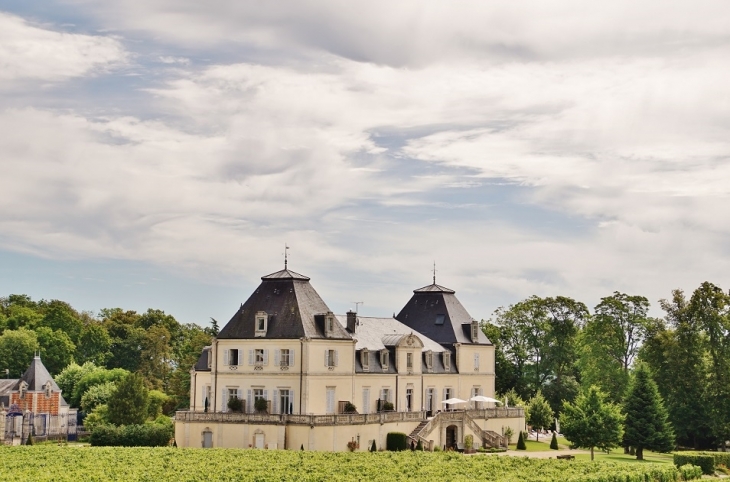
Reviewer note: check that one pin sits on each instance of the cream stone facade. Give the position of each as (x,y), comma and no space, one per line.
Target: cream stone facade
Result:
(324,381)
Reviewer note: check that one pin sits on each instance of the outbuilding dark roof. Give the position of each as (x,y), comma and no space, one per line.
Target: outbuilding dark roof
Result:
(202,364)
(291,304)
(435,312)
(36,377)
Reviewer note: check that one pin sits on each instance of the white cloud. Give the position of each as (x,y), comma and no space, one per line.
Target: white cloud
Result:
(29,52)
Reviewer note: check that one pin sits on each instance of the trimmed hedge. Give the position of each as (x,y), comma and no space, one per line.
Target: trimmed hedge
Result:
(690,472)
(707,460)
(396,441)
(147,435)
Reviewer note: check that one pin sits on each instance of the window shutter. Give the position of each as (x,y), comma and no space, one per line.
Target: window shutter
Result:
(224,400)
(336,358)
(266,357)
(276,402)
(249,402)
(291,357)
(444,397)
(226,356)
(476,360)
(239,394)
(277,357)
(250,357)
(326,358)
(266,395)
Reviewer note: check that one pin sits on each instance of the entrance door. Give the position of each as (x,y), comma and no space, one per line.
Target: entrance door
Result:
(259,439)
(207,440)
(409,399)
(451,436)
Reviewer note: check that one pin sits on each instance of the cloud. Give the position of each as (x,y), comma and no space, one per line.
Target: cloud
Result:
(29,52)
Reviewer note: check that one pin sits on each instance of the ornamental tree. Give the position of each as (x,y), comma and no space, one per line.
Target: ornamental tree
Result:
(539,414)
(646,424)
(592,422)
(128,403)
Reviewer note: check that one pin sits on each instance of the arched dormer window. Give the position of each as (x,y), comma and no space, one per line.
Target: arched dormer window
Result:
(261,324)
(474,331)
(22,390)
(47,388)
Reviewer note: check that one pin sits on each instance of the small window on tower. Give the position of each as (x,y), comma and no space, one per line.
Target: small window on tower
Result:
(440,319)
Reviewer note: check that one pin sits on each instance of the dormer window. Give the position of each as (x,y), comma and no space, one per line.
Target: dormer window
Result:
(365,360)
(474,331)
(384,359)
(429,360)
(329,324)
(47,388)
(22,390)
(261,324)
(447,360)
(409,361)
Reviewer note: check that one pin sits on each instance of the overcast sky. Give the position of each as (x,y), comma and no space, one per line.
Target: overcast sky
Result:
(160,153)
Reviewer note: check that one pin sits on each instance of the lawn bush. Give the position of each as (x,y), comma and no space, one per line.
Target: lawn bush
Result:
(396,441)
(147,435)
(705,461)
(521,442)
(554,442)
(690,472)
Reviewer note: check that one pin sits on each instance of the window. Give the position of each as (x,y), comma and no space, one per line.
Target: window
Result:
(330,358)
(429,359)
(285,401)
(206,397)
(261,321)
(409,399)
(447,360)
(384,359)
(329,324)
(365,360)
(232,393)
(258,356)
(330,400)
(47,388)
(440,319)
(284,359)
(409,361)
(209,355)
(385,394)
(231,357)
(448,393)
(474,331)
(476,362)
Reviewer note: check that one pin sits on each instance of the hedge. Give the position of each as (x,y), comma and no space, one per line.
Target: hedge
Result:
(396,441)
(147,435)
(705,461)
(690,472)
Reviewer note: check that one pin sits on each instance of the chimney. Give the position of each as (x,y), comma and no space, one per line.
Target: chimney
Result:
(351,321)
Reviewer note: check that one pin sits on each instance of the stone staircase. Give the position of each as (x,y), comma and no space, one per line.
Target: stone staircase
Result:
(417,431)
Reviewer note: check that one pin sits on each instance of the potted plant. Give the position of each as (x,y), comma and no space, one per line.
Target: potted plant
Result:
(261,405)
(352,445)
(508,433)
(350,408)
(469,444)
(388,406)
(235,404)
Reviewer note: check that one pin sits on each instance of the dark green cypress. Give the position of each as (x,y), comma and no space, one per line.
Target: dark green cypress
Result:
(554,442)
(521,442)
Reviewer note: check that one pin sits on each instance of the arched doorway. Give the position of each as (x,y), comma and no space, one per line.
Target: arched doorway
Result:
(451,432)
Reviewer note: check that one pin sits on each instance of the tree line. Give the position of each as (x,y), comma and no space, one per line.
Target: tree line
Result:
(111,344)
(559,350)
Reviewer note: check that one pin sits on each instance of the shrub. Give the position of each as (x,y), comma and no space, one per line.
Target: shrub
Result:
(396,441)
(388,407)
(97,395)
(705,461)
(521,442)
(235,404)
(29,441)
(508,433)
(147,435)
(690,472)
(437,448)
(468,441)
(156,400)
(554,442)
(419,445)
(352,446)
(373,448)
(100,416)
(350,408)
(261,405)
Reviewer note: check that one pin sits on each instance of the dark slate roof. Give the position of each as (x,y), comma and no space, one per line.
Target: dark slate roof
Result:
(37,375)
(291,303)
(202,364)
(422,309)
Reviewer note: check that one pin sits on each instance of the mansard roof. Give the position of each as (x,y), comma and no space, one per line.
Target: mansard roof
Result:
(372,333)
(435,312)
(295,310)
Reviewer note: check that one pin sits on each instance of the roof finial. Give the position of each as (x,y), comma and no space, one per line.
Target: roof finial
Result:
(434,272)
(286,260)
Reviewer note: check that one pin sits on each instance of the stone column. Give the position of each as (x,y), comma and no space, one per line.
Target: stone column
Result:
(3,415)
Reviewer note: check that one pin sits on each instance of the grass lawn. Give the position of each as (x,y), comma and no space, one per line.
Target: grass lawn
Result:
(533,446)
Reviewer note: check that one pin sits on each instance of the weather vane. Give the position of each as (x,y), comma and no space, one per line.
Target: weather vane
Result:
(286,257)
(434,272)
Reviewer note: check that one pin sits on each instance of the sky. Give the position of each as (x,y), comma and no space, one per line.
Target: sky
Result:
(161,153)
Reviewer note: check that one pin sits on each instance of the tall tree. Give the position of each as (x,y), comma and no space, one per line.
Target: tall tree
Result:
(592,422)
(539,413)
(155,357)
(611,341)
(59,315)
(505,373)
(94,345)
(17,348)
(57,349)
(647,425)
(128,403)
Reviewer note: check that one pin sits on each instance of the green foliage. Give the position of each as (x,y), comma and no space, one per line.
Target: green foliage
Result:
(156,400)
(388,406)
(468,441)
(539,413)
(94,345)
(690,472)
(97,376)
(235,404)
(646,424)
(419,445)
(350,408)
(396,441)
(521,442)
(29,440)
(509,433)
(17,348)
(554,442)
(703,460)
(100,416)
(56,349)
(261,405)
(59,315)
(69,378)
(128,404)
(97,395)
(168,464)
(146,435)
(592,422)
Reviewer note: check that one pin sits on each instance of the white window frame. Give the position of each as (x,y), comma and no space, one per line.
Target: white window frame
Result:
(330,358)
(365,360)
(447,360)
(384,359)
(261,316)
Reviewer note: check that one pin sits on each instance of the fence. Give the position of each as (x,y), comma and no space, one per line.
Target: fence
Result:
(19,425)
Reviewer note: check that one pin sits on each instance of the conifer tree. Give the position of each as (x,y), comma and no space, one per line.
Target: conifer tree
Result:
(521,442)
(128,403)
(554,442)
(647,425)
(591,421)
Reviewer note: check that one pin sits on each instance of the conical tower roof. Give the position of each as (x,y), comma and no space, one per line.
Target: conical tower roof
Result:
(37,375)
(295,310)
